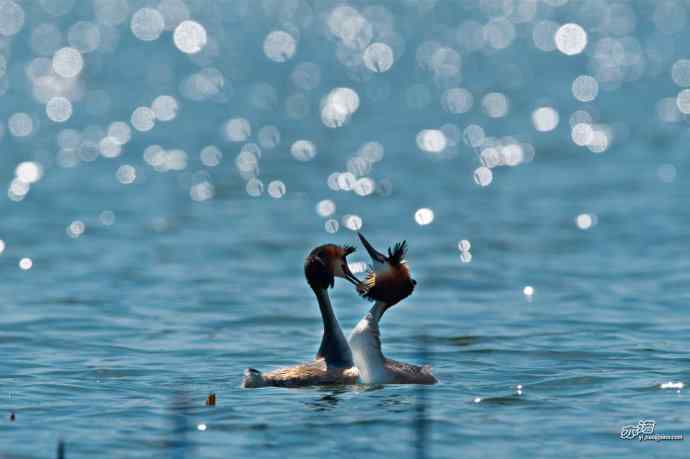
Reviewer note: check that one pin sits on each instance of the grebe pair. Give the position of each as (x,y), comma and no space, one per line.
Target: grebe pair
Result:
(360,360)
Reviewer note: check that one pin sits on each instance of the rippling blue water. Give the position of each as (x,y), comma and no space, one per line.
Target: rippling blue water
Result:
(113,340)
(103,332)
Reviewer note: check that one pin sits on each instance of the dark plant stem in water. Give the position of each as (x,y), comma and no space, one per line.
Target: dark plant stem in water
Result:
(61,450)
(179,444)
(421,423)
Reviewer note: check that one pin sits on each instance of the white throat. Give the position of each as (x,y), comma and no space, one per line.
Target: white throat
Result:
(365,343)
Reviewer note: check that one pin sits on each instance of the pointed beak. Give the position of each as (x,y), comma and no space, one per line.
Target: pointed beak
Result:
(373,253)
(348,274)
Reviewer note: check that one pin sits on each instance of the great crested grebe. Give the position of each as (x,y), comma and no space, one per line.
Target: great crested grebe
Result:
(333,362)
(387,283)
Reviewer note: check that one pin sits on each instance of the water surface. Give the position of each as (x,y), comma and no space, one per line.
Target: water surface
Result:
(113,339)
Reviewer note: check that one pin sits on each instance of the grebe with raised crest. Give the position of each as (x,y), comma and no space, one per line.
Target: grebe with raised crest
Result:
(387,283)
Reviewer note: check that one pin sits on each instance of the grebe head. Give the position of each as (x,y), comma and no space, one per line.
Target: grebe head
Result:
(325,263)
(389,280)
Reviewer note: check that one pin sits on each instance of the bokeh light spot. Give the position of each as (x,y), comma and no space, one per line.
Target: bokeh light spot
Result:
(147,24)
(303,150)
(190,37)
(276,189)
(424,216)
(26,264)
(378,57)
(571,39)
(585,88)
(483,176)
(545,119)
(280,46)
(11,18)
(68,62)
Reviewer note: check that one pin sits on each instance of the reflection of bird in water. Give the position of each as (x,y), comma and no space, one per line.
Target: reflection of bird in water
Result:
(324,403)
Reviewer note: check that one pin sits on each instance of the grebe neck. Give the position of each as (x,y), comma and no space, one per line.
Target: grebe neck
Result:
(334,347)
(377,310)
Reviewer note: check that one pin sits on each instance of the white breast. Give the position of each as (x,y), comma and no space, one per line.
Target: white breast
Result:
(366,353)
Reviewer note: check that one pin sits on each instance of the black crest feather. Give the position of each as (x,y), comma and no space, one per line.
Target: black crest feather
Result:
(397,255)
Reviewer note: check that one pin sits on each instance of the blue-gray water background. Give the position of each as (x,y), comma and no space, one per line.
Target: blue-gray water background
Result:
(134,283)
